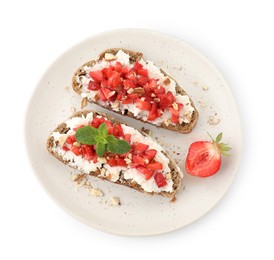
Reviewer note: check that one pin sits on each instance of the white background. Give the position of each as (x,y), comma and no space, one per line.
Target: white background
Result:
(235,35)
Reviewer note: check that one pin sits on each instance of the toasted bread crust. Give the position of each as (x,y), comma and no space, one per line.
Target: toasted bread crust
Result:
(136,56)
(62,128)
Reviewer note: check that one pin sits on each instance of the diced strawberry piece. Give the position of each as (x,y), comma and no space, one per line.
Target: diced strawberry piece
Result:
(131,76)
(87,151)
(114,80)
(147,173)
(118,131)
(107,72)
(65,148)
(160,90)
(138,159)
(127,137)
(143,105)
(118,66)
(143,72)
(71,139)
(76,150)
(127,101)
(142,80)
(96,75)
(124,71)
(107,92)
(77,127)
(128,84)
(137,66)
(153,84)
(96,122)
(153,113)
(95,158)
(150,154)
(175,119)
(147,89)
(92,85)
(140,148)
(133,96)
(155,166)
(134,165)
(160,180)
(121,162)
(102,95)
(112,162)
(104,83)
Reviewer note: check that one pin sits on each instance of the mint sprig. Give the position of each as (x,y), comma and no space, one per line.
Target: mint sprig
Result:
(102,140)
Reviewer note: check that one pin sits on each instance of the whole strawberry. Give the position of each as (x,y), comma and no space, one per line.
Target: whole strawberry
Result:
(204,158)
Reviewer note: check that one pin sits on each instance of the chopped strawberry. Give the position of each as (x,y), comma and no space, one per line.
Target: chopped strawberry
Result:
(150,154)
(127,137)
(71,139)
(77,127)
(133,96)
(124,71)
(160,90)
(76,150)
(95,158)
(87,151)
(128,84)
(155,166)
(112,162)
(137,66)
(118,66)
(143,105)
(65,148)
(142,80)
(96,122)
(118,131)
(138,160)
(166,100)
(92,85)
(143,72)
(153,113)
(131,76)
(107,72)
(127,101)
(121,162)
(107,92)
(147,173)
(102,95)
(160,180)
(96,75)
(114,80)
(140,148)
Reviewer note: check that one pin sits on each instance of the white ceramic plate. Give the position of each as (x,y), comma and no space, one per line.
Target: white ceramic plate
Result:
(53,101)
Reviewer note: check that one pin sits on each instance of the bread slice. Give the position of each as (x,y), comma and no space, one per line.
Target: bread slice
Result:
(81,78)
(116,174)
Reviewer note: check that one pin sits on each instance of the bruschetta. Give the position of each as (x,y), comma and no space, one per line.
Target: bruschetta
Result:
(99,145)
(122,81)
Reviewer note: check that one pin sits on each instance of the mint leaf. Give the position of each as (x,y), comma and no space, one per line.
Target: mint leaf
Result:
(86,135)
(101,149)
(117,146)
(103,130)
(100,137)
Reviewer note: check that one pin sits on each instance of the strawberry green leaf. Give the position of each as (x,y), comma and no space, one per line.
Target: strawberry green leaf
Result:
(219,137)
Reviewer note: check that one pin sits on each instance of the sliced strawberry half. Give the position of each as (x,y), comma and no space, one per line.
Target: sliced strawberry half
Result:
(204,158)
